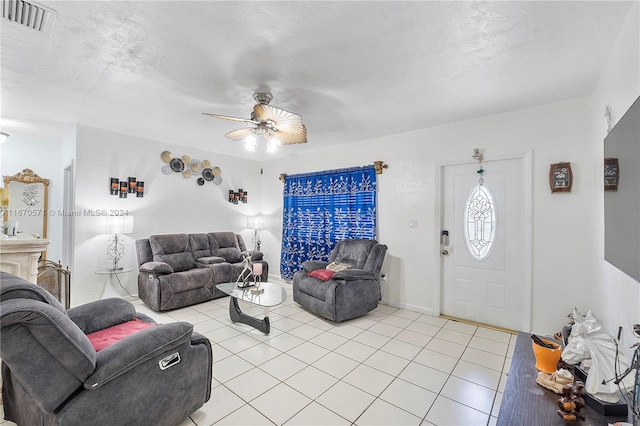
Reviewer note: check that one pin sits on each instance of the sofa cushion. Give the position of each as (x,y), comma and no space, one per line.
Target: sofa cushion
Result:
(315,287)
(224,272)
(225,239)
(199,245)
(172,249)
(210,260)
(255,255)
(225,244)
(156,268)
(321,274)
(14,287)
(231,254)
(312,265)
(108,336)
(180,261)
(352,252)
(187,280)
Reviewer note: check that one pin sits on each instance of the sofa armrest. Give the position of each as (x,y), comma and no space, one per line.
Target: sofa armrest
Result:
(210,260)
(255,254)
(353,274)
(136,349)
(312,265)
(158,268)
(101,314)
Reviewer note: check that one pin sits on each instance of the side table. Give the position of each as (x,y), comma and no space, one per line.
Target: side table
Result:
(109,290)
(527,403)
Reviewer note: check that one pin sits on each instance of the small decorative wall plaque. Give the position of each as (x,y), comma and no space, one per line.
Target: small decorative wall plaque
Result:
(611,174)
(123,187)
(560,177)
(132,185)
(115,186)
(239,196)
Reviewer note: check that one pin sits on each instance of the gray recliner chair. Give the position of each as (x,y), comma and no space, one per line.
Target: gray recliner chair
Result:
(52,375)
(349,293)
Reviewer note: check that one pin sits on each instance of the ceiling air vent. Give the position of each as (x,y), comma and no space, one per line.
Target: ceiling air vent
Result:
(29,14)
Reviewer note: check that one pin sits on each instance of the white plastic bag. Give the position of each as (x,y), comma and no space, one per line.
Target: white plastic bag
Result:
(589,341)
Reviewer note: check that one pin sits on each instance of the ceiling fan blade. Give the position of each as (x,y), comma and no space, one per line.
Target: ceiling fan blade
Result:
(226,117)
(239,134)
(292,138)
(282,120)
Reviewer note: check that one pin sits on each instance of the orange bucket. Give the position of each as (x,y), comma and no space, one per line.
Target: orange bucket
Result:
(546,358)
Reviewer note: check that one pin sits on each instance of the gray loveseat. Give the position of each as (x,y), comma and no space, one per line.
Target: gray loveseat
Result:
(54,374)
(178,270)
(348,293)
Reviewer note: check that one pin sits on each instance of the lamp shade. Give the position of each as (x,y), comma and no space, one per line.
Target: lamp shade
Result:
(117,225)
(255,222)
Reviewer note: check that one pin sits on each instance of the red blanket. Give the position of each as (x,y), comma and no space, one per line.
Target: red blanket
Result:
(103,338)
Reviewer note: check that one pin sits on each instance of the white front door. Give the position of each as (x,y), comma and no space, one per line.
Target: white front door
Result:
(491,289)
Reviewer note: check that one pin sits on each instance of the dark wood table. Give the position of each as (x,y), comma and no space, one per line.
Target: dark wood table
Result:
(527,403)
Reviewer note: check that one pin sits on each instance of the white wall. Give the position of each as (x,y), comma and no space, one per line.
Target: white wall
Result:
(616,297)
(171,203)
(568,265)
(43,155)
(562,223)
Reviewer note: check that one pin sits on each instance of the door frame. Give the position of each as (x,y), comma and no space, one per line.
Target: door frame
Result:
(527,182)
(68,224)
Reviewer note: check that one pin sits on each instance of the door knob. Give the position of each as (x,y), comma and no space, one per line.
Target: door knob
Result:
(445,252)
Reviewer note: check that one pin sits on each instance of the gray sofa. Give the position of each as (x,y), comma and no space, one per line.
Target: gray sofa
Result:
(54,374)
(178,270)
(349,293)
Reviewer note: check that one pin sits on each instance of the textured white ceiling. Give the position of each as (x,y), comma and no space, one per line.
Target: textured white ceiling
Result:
(353,70)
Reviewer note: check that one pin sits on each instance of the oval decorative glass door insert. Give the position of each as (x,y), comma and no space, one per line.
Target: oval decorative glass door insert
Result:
(479,222)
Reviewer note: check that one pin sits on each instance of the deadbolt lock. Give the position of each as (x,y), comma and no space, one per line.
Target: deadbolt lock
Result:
(445,252)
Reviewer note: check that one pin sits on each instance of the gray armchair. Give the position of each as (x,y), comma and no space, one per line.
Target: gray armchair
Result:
(349,293)
(52,375)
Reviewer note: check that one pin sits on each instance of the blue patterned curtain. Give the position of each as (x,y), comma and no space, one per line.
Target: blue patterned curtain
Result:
(322,208)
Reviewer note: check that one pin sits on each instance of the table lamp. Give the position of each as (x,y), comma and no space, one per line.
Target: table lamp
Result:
(256,223)
(115,249)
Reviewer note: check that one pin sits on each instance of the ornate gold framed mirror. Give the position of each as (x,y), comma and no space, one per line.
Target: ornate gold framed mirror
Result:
(28,200)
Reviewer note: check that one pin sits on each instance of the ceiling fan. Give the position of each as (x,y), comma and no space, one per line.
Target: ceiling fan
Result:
(270,124)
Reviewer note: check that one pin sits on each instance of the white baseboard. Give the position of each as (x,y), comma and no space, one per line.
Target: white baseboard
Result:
(409,307)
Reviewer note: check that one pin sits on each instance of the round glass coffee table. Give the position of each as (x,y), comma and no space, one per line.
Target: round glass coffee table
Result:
(267,295)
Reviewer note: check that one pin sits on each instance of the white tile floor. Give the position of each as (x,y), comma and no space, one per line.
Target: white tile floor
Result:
(388,367)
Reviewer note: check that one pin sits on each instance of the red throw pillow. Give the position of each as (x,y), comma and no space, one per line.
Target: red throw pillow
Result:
(108,336)
(321,274)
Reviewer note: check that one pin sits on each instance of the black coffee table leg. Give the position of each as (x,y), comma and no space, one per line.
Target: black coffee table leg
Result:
(238,316)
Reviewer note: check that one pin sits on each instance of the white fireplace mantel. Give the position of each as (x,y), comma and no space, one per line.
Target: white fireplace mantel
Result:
(19,255)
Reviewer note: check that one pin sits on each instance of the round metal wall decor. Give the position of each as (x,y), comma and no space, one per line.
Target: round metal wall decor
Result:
(190,167)
(207,174)
(177,165)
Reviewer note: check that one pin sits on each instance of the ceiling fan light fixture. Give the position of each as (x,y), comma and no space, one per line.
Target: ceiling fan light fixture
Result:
(271,126)
(250,142)
(272,144)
